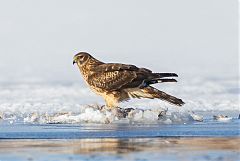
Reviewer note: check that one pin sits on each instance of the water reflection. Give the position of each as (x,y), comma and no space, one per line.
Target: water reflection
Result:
(121,146)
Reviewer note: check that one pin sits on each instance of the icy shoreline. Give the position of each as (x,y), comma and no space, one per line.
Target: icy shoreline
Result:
(94,114)
(68,102)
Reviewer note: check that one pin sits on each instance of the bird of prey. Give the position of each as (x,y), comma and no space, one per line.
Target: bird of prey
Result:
(119,82)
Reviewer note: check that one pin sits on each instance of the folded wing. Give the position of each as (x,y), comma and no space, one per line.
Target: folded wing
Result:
(113,77)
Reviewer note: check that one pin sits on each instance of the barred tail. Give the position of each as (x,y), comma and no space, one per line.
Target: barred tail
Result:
(163,96)
(150,92)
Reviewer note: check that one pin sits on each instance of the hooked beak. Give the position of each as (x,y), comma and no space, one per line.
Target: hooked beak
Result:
(74,61)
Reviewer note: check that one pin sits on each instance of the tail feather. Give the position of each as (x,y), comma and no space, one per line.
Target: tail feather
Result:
(150,92)
(163,96)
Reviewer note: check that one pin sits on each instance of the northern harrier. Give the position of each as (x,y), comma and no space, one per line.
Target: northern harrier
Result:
(120,82)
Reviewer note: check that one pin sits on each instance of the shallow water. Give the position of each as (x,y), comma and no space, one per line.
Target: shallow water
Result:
(172,149)
(120,130)
(204,141)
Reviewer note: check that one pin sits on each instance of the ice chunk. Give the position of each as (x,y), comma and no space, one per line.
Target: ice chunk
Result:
(196,117)
(222,118)
(97,114)
(33,118)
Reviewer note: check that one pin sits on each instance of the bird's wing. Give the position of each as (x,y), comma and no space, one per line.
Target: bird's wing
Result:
(110,67)
(113,76)
(119,67)
(111,80)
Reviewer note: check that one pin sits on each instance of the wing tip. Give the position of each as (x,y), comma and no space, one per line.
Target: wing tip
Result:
(166,80)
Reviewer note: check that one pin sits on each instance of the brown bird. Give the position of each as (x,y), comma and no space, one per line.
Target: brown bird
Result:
(119,82)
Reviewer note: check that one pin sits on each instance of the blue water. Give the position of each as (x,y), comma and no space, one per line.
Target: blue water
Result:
(69,131)
(193,141)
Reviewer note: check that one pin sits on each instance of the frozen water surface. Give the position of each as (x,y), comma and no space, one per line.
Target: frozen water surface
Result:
(66,121)
(74,103)
(119,130)
(43,107)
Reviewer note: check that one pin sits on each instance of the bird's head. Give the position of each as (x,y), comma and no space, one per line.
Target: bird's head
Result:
(81,58)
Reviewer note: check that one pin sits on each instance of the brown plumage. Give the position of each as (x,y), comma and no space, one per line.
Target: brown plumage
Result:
(120,82)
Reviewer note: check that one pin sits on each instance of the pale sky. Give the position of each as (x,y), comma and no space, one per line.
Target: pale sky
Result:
(191,37)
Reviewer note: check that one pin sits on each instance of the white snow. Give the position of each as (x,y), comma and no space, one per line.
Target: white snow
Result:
(69,103)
